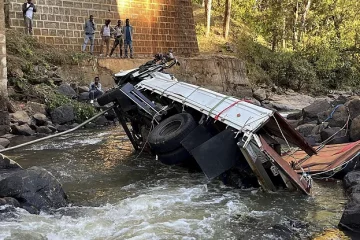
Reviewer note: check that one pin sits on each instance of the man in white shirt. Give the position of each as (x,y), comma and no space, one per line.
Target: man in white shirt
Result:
(28,9)
(95,90)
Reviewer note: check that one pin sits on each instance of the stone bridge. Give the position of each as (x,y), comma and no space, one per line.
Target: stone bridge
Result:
(159,25)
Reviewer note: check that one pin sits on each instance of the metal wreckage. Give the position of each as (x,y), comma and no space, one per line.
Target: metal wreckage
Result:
(184,124)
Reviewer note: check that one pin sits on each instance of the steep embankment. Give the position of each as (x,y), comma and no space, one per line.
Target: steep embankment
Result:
(46,86)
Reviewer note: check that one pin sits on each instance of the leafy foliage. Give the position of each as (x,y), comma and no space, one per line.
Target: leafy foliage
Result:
(82,111)
(305,45)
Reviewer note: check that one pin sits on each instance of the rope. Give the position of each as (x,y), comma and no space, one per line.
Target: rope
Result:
(56,135)
(332,113)
(304,175)
(151,128)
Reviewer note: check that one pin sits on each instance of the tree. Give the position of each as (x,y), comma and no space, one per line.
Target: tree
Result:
(226,27)
(208,15)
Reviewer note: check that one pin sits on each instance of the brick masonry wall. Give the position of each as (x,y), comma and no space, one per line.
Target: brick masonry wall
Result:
(159,25)
(4,115)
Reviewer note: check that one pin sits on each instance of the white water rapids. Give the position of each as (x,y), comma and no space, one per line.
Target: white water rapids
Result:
(114,196)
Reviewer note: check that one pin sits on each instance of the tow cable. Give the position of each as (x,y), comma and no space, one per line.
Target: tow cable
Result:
(57,134)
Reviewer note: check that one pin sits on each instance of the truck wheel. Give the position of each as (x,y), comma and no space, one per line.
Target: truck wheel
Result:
(175,157)
(167,136)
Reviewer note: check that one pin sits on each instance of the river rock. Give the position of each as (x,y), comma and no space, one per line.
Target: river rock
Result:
(62,128)
(9,201)
(351,179)
(22,130)
(350,219)
(355,129)
(33,108)
(7,163)
(83,89)
(339,117)
(101,121)
(20,117)
(84,96)
(294,123)
(4,142)
(306,129)
(313,140)
(63,114)
(67,90)
(294,116)
(35,188)
(310,113)
(51,127)
(340,136)
(44,129)
(260,94)
(40,119)
(354,107)
(317,130)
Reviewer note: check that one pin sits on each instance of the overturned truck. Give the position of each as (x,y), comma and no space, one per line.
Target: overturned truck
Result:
(184,124)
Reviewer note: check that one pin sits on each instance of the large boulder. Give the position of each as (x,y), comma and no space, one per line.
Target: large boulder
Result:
(44,130)
(351,179)
(4,142)
(313,140)
(317,130)
(260,94)
(350,219)
(335,117)
(67,90)
(294,116)
(63,114)
(22,130)
(354,107)
(355,129)
(310,113)
(84,96)
(20,117)
(40,119)
(62,128)
(339,135)
(83,89)
(33,108)
(306,129)
(35,188)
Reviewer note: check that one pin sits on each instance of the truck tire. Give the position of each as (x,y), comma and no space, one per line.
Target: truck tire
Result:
(167,136)
(175,157)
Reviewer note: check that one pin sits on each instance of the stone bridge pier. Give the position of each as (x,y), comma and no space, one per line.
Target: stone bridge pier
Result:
(4,115)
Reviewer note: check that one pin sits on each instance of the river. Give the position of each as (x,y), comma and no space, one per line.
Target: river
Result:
(115,194)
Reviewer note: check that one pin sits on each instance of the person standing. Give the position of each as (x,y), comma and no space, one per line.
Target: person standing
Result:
(89,29)
(118,34)
(128,38)
(105,34)
(28,9)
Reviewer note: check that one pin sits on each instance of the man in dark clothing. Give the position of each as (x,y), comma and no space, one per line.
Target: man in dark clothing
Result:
(128,38)
(95,89)
(28,10)
(89,29)
(118,34)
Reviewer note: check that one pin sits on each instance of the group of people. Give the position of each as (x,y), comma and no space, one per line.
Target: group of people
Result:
(123,35)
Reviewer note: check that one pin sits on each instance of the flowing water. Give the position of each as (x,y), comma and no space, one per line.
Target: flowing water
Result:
(116,195)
